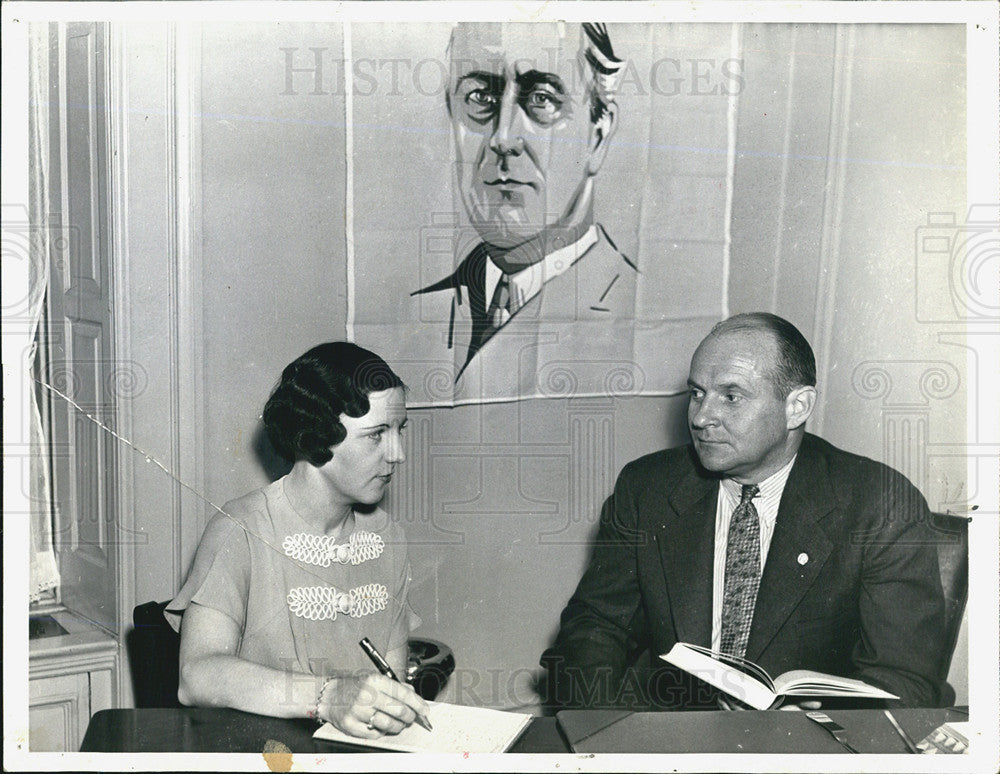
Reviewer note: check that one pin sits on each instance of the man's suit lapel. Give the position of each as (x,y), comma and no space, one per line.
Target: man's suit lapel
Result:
(799,548)
(687,548)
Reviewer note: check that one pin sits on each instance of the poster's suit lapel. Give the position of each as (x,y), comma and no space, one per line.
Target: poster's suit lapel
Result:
(599,285)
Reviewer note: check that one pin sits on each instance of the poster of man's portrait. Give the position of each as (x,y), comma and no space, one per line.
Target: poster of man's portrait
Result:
(556,249)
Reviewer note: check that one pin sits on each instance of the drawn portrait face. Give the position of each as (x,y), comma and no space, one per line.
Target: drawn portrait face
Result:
(520,105)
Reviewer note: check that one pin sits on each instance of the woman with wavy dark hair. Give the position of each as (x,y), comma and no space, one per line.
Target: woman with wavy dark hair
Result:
(288,579)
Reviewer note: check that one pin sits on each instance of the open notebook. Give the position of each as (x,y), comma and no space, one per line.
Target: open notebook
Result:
(457,729)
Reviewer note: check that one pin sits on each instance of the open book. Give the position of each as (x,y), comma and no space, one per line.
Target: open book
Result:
(457,729)
(752,685)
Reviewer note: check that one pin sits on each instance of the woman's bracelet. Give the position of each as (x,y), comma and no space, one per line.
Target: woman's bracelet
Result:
(314,713)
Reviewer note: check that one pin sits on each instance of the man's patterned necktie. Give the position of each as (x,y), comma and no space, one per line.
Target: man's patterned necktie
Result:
(742,574)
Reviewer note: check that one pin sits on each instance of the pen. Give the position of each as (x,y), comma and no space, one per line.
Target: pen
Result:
(383,666)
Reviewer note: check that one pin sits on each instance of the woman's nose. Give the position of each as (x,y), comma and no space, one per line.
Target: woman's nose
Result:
(395,453)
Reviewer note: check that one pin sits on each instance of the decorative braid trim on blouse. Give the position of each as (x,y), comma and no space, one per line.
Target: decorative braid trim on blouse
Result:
(321,550)
(320,603)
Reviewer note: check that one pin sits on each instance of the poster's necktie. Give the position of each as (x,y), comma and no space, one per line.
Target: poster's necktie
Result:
(742,574)
(499,309)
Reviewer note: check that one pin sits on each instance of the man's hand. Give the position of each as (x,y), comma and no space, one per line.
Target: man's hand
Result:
(730,704)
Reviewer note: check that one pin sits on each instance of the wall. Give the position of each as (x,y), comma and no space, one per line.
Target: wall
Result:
(842,153)
(500,501)
(274,266)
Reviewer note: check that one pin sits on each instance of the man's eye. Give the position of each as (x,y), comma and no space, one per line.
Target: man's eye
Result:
(696,394)
(481,98)
(481,105)
(544,106)
(732,397)
(541,99)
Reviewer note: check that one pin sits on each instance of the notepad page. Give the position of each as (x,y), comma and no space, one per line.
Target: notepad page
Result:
(457,729)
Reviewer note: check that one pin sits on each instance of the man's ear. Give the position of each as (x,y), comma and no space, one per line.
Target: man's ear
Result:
(600,134)
(798,406)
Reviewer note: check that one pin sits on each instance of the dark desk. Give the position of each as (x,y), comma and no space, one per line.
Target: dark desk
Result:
(216,730)
(192,729)
(772,732)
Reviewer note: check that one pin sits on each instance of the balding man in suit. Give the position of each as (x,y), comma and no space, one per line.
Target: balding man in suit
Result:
(759,540)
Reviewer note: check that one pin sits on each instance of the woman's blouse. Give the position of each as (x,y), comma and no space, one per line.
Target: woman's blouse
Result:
(301,600)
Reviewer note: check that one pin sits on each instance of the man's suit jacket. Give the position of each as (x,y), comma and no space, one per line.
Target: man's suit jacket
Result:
(850,587)
(577,336)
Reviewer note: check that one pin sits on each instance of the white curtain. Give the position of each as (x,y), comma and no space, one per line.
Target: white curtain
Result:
(44,571)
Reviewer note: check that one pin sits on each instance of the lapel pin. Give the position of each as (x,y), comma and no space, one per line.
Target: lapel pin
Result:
(803,558)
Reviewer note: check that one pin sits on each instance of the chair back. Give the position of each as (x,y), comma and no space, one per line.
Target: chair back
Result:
(952,533)
(154,654)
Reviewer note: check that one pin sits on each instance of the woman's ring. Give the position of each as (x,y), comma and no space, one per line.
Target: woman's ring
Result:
(371,721)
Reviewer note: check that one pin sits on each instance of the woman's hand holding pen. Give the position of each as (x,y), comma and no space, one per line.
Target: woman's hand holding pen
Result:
(369,705)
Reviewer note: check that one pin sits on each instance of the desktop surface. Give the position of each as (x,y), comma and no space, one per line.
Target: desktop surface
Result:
(199,729)
(196,729)
(763,732)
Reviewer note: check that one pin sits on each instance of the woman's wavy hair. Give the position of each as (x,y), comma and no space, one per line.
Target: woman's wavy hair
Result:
(302,416)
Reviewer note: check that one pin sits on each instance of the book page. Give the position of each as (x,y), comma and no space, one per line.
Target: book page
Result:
(803,682)
(457,729)
(722,676)
(743,665)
